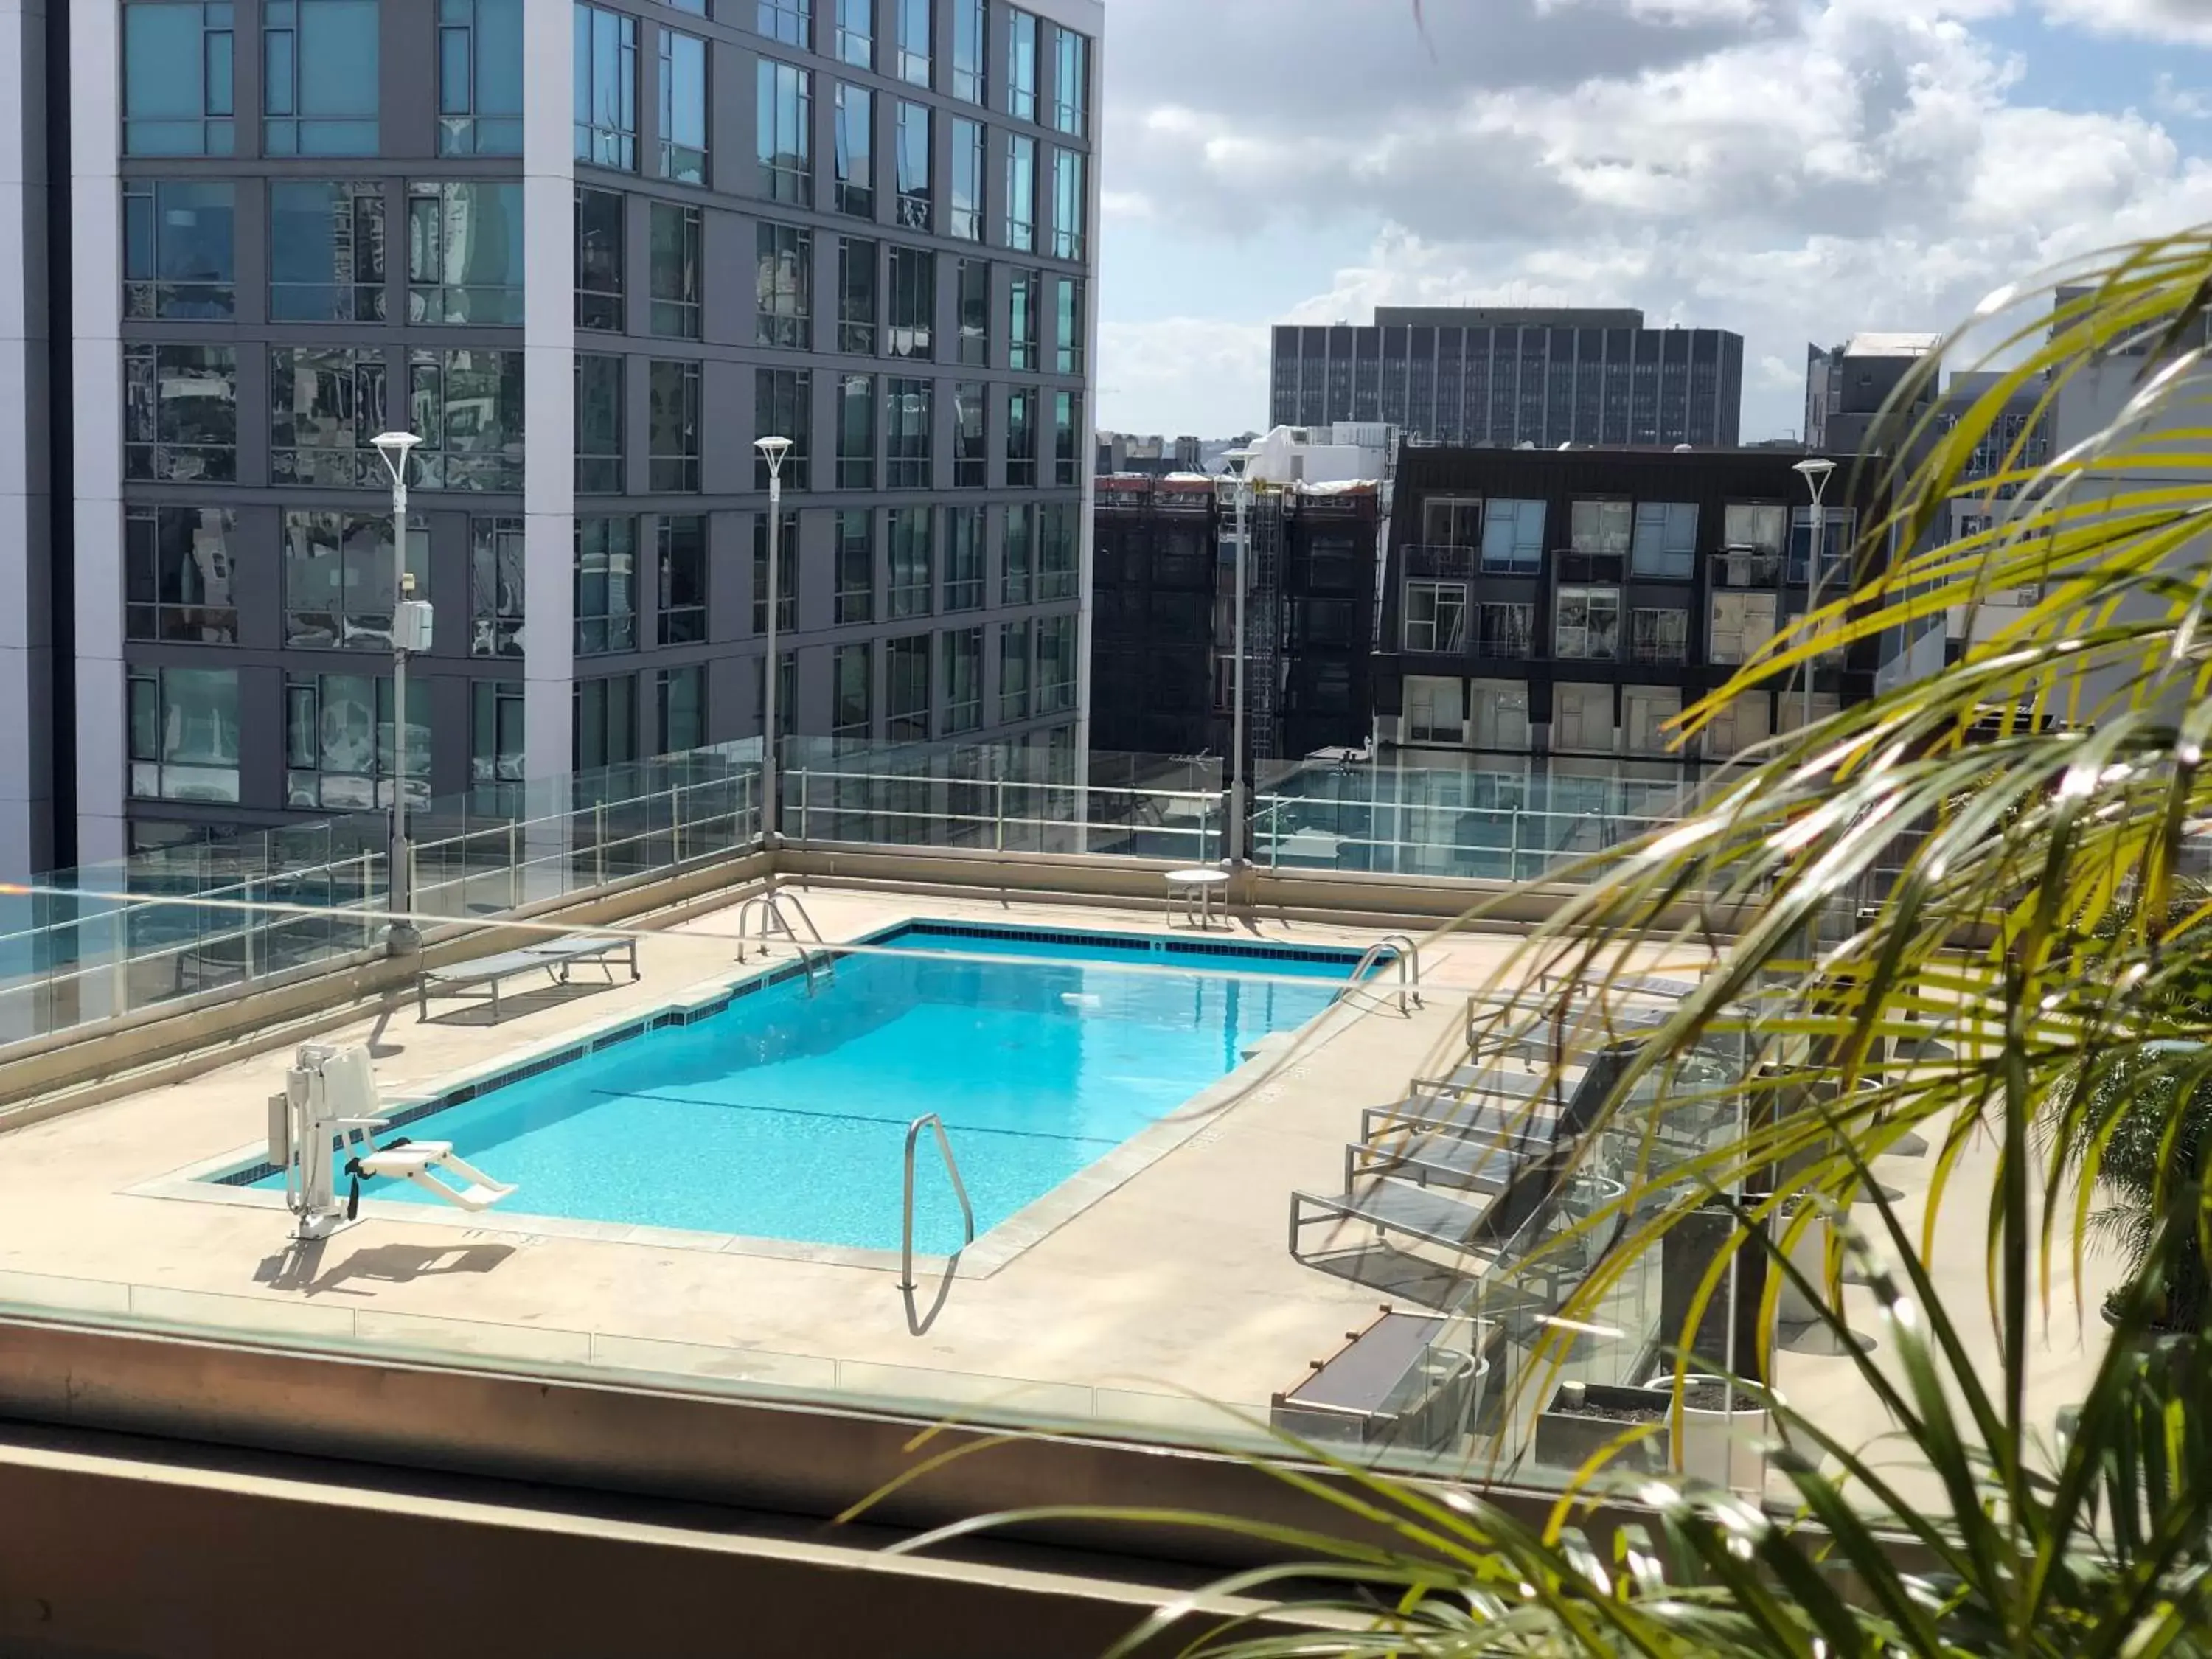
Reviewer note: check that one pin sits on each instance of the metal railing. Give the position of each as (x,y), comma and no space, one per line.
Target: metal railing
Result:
(1001,815)
(916,1323)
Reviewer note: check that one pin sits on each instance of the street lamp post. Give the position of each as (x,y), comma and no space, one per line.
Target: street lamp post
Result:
(1240,464)
(772,451)
(1816,473)
(410,628)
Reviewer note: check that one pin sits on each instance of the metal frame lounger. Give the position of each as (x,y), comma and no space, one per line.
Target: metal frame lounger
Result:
(1390,1205)
(554,959)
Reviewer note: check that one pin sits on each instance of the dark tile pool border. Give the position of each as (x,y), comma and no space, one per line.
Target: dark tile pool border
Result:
(692,1013)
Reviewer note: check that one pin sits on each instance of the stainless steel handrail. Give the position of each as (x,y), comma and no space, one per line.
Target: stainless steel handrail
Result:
(915,1323)
(1405,954)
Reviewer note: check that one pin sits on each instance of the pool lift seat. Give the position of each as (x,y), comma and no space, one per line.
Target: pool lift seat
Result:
(322,1126)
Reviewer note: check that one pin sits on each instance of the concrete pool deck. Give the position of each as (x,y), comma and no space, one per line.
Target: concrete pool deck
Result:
(1160,1282)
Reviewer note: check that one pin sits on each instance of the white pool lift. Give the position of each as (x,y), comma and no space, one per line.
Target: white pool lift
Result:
(320,1127)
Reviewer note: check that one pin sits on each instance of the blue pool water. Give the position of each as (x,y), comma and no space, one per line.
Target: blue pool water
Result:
(784,1114)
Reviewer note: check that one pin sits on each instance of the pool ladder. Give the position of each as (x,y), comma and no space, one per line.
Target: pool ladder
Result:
(763,917)
(916,1321)
(1397,948)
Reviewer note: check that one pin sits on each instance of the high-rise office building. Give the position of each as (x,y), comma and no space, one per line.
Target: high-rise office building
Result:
(1498,377)
(586,253)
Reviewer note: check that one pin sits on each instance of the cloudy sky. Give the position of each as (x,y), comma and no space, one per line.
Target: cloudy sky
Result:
(1791,169)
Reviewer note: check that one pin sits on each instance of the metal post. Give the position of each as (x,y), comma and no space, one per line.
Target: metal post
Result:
(1816,474)
(1235,828)
(772,452)
(400,936)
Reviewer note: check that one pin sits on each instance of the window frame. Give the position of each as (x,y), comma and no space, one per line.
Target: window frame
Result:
(784,111)
(672,389)
(606,71)
(684,158)
(1420,623)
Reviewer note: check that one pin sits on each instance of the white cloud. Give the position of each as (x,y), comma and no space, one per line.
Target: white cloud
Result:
(2154,19)
(1790,173)
(2169,97)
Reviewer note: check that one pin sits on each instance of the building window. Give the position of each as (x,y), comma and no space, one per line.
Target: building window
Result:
(1013,671)
(914,303)
(856,432)
(1600,527)
(681,696)
(783,405)
(911,158)
(1745,719)
(599,424)
(1068,206)
(599,261)
(339,586)
(468,410)
(338,747)
(856,296)
(672,425)
(1645,710)
(1021,65)
(1513,536)
(606,722)
(963,558)
(179,96)
(178,252)
(1666,539)
(683,107)
(791,21)
(908,451)
(1506,630)
(855,159)
(480,77)
(1055,664)
(965,220)
(1069,332)
(495,563)
(177,566)
(1436,617)
(1435,709)
(962,654)
(856,566)
(1071,82)
(1023,297)
(326,405)
(972,280)
(785,131)
(1452,521)
(906,711)
(1498,715)
(606,88)
(783,284)
(787,583)
(180,413)
(913,564)
(606,584)
(496,758)
(1021,438)
(1582,718)
(1756,526)
(1021,193)
(1741,624)
(1017,554)
(915,40)
(853,676)
(464,254)
(318,77)
(325,252)
(1839,530)
(1059,531)
(1588,623)
(970,457)
(1659,635)
(856,33)
(673,247)
(1067,438)
(682,555)
(968,50)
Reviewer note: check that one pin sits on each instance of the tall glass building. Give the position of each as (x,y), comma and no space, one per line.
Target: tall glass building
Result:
(587,254)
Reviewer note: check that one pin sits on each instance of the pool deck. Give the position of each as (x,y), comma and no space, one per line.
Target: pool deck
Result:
(1155,1282)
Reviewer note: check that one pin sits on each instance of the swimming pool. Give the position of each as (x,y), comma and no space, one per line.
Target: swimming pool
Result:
(781,1113)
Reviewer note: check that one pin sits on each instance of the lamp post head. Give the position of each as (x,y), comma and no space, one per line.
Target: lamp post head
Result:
(394,447)
(1815,471)
(773,451)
